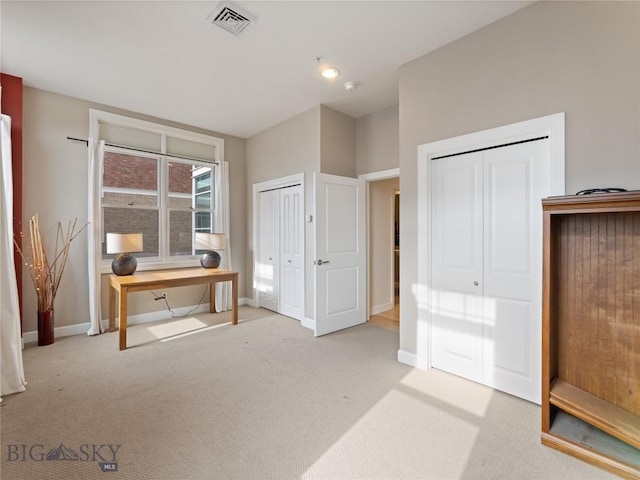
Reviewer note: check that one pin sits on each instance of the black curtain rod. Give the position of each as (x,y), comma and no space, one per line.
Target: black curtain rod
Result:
(144,151)
(78,140)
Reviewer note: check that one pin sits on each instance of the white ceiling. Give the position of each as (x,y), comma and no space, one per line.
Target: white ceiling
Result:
(165,59)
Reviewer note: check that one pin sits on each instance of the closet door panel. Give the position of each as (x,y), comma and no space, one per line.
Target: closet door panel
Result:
(456,297)
(515,179)
(292,252)
(269,257)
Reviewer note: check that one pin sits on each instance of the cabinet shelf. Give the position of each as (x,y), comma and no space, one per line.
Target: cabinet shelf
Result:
(595,411)
(571,435)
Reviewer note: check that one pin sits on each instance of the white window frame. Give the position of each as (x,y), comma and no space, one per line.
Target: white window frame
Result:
(163,261)
(194,179)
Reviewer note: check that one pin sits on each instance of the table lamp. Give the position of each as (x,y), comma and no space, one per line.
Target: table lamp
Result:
(124,244)
(210,242)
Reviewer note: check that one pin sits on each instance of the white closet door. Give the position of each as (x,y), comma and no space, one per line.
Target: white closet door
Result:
(456,295)
(516,177)
(269,258)
(292,252)
(487,265)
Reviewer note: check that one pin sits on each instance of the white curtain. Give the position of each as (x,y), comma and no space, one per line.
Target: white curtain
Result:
(94,248)
(222,225)
(11,368)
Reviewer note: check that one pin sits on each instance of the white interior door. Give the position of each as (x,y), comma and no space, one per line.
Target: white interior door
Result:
(292,252)
(269,246)
(487,265)
(340,253)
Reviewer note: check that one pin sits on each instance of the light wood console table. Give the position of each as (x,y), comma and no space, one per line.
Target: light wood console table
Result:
(160,279)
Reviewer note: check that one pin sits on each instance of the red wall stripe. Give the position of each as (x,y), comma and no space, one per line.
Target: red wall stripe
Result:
(12,105)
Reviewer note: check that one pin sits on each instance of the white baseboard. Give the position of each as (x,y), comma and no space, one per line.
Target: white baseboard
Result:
(412,360)
(385,307)
(66,331)
(407,358)
(247,301)
(309,323)
(83,328)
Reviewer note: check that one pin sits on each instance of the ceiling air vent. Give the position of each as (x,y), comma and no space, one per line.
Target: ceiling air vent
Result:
(230,18)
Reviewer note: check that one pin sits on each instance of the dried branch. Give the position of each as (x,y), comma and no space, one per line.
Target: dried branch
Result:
(45,275)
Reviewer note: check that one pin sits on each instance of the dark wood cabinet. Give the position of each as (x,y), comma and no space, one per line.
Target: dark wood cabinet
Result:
(591,329)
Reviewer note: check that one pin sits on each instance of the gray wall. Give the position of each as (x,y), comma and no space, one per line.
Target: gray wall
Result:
(55,187)
(582,58)
(337,143)
(377,141)
(290,147)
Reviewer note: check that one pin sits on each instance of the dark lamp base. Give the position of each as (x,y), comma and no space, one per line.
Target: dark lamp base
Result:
(124,264)
(210,260)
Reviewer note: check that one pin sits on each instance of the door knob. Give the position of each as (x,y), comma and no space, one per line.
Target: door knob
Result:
(475,283)
(289,261)
(320,262)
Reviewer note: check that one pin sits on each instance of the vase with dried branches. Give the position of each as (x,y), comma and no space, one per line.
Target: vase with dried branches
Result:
(46,271)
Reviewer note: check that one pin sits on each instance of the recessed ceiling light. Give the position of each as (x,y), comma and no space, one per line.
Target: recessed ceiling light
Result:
(329,72)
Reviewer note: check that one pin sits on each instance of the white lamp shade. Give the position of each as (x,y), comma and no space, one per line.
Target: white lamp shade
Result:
(210,241)
(124,242)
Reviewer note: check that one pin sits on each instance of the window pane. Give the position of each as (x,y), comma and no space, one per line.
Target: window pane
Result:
(203,222)
(130,172)
(180,178)
(203,201)
(180,233)
(203,183)
(133,220)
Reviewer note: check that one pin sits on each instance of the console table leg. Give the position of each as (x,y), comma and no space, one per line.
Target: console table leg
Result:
(112,309)
(234,296)
(212,297)
(122,320)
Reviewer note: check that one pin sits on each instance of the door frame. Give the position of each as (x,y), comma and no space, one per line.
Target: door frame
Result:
(551,126)
(282,182)
(368,178)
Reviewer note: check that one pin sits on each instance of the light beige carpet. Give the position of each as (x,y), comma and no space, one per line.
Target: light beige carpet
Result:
(262,400)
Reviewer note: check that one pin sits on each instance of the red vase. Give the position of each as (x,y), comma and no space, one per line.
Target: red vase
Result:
(45,328)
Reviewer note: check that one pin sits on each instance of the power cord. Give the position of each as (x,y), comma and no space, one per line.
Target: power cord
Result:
(591,191)
(173,314)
